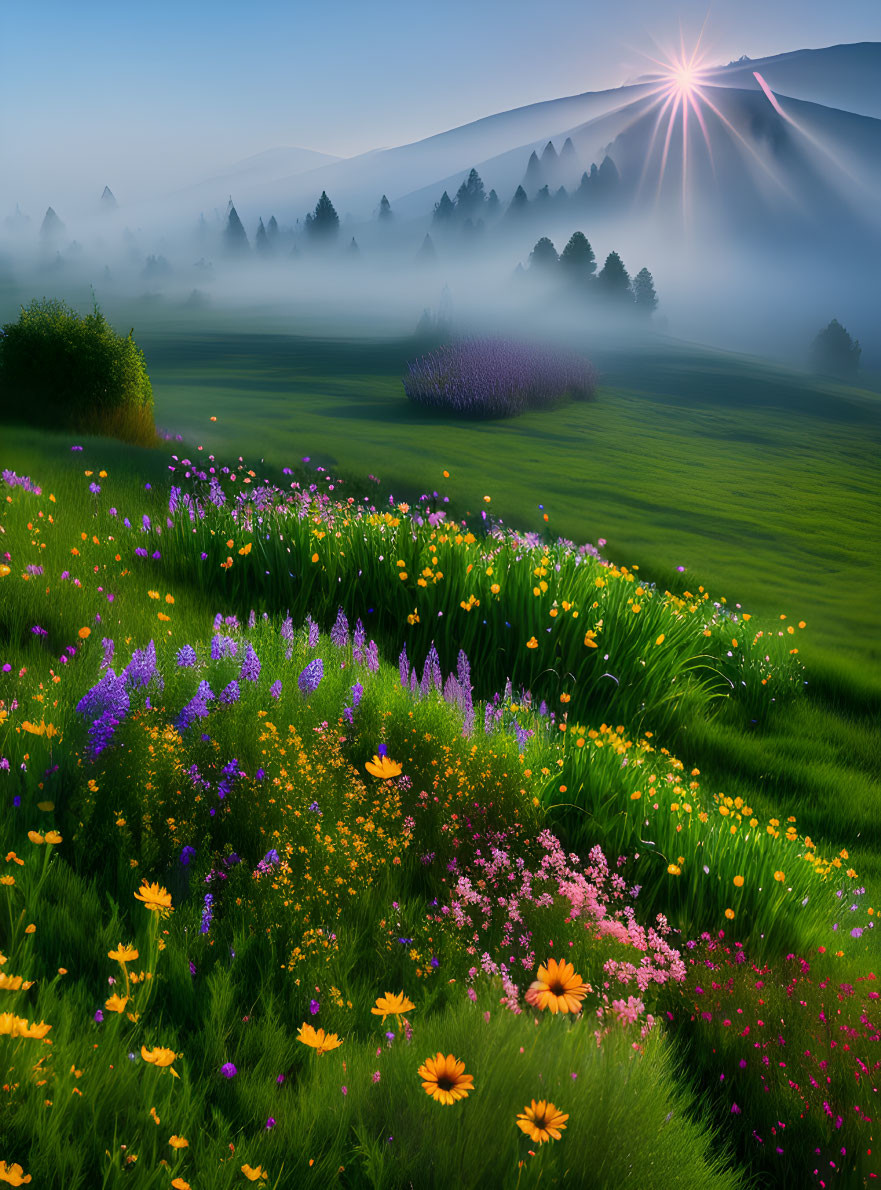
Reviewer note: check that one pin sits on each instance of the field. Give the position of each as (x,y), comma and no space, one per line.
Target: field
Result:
(573,742)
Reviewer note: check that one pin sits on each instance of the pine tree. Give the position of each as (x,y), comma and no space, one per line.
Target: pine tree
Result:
(235,240)
(533,176)
(543,196)
(835,352)
(272,230)
(544,255)
(615,280)
(644,292)
(353,250)
(443,210)
(518,203)
(427,251)
(108,200)
(52,227)
(577,260)
(261,241)
(607,178)
(493,206)
(470,196)
(325,222)
(385,210)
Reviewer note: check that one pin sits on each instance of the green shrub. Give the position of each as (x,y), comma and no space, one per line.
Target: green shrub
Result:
(59,369)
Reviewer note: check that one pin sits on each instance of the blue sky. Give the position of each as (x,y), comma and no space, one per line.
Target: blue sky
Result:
(142,95)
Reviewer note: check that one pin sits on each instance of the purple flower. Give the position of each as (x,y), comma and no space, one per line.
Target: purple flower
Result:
(310,677)
(223,646)
(357,694)
(270,1123)
(260,774)
(250,665)
(186,855)
(228,1070)
(315,808)
(314,1007)
(186,657)
(99,1016)
(230,693)
(311,632)
(339,634)
(275,689)
(372,658)
(94,488)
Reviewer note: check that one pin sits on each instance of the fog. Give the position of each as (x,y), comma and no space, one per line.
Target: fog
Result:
(759,222)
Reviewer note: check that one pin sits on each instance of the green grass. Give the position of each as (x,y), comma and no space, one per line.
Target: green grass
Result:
(763,482)
(674,436)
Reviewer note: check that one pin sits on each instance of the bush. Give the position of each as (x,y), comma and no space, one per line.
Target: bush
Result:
(60,369)
(497,378)
(835,352)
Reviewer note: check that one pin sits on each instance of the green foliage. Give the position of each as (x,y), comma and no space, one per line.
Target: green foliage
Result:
(614,279)
(324,223)
(644,292)
(544,255)
(578,260)
(72,372)
(835,352)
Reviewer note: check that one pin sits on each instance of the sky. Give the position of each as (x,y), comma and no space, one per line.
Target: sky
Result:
(147,97)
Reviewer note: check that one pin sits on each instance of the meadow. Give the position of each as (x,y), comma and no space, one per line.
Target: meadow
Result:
(375,826)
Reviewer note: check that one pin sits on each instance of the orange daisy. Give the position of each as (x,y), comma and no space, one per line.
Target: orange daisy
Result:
(444,1079)
(558,988)
(542,1121)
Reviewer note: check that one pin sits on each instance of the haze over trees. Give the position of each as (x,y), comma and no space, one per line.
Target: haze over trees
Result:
(833,351)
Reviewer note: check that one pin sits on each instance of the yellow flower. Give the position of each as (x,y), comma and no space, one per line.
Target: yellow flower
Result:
(779,876)
(738,882)
(123,954)
(178,1142)
(660,639)
(392,1005)
(116,1003)
(7,880)
(179,1183)
(13,1175)
(53,837)
(36,837)
(674,869)
(558,988)
(729,913)
(254,1175)
(532,643)
(445,1080)
(383,768)
(47,806)
(495,588)
(154,1115)
(158,1056)
(542,1121)
(154,898)
(318,1039)
(4,570)
(14,983)
(152,594)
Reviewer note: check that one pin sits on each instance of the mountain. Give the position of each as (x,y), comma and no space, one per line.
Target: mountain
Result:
(843,76)
(499,146)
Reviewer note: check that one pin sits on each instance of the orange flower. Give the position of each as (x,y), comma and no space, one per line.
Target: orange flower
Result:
(13,1175)
(254,1175)
(392,1005)
(52,837)
(542,1121)
(158,1056)
(84,633)
(445,1080)
(178,1142)
(532,643)
(179,1183)
(154,898)
(383,768)
(116,1003)
(123,954)
(557,988)
(318,1039)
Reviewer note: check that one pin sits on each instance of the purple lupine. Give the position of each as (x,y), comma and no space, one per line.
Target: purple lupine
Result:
(358,639)
(414,685)
(488,719)
(339,634)
(287,635)
(311,632)
(223,646)
(216,494)
(250,665)
(141,671)
(230,773)
(21,481)
(230,694)
(196,708)
(186,855)
(207,918)
(404,667)
(372,657)
(108,646)
(275,689)
(357,693)
(310,677)
(252,619)
(463,670)
(496,378)
(186,657)
(452,692)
